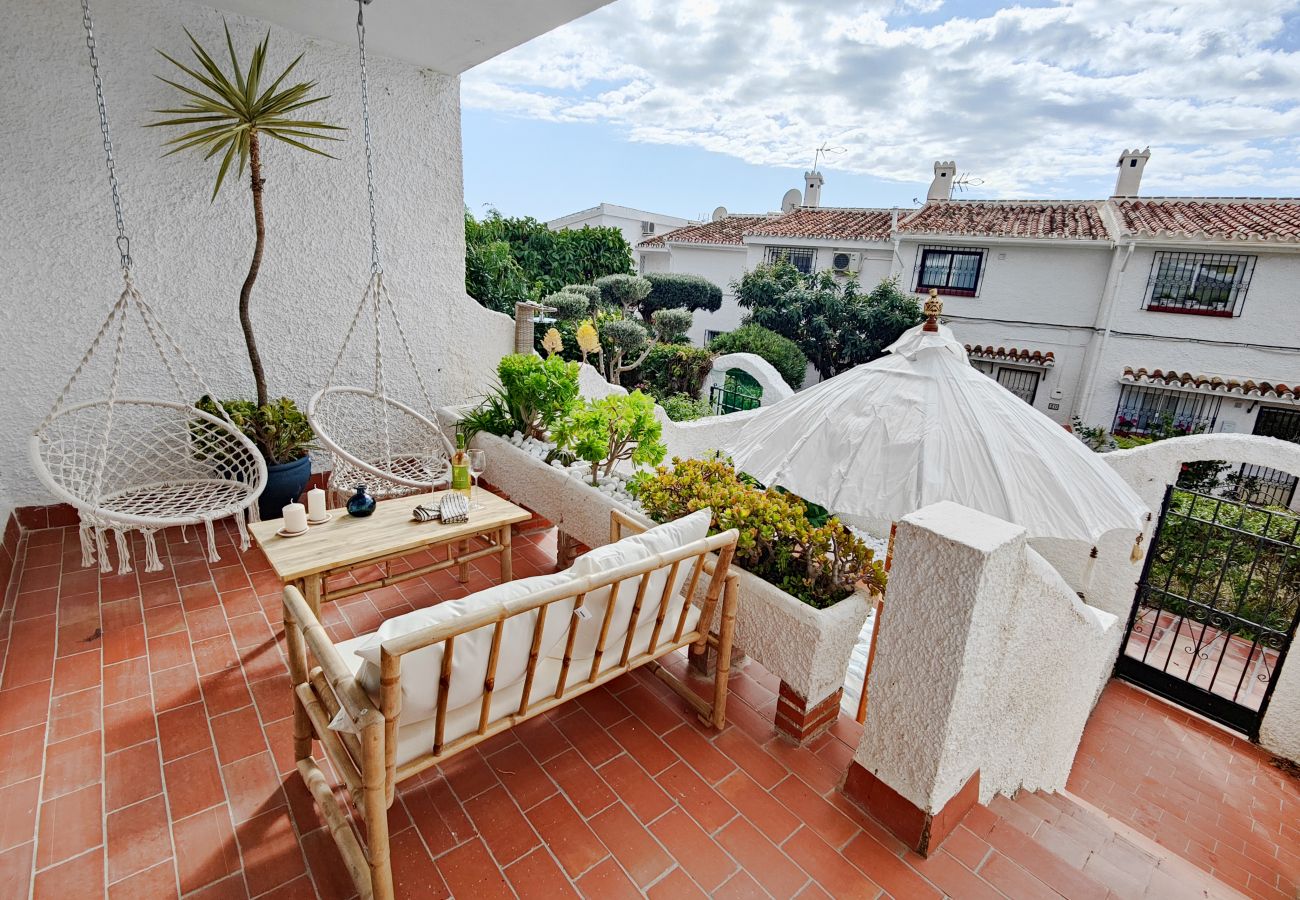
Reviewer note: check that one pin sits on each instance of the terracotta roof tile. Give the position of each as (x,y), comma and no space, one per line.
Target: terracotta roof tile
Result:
(727,230)
(1022,355)
(1238,219)
(1246,387)
(1078,220)
(830,224)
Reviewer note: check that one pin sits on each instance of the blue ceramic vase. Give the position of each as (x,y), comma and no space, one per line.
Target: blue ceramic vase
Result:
(361,504)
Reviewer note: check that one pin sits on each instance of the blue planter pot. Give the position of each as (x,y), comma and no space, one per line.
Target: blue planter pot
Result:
(285,483)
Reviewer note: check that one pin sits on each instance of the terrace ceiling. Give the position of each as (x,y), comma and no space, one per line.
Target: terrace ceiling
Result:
(447,35)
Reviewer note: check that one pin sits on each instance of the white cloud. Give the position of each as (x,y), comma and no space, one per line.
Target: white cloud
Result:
(1028,99)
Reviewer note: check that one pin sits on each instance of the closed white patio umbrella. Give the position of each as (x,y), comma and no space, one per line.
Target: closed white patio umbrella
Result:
(922,425)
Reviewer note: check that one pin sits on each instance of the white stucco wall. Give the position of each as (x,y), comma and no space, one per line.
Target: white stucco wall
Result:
(769,379)
(625,219)
(986,661)
(56,223)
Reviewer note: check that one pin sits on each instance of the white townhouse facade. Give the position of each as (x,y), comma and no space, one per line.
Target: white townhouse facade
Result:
(636,224)
(1120,312)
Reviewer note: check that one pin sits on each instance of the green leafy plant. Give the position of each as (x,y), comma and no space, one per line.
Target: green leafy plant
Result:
(279,429)
(818,564)
(831,320)
(670,325)
(1094,437)
(685,408)
(569,306)
(535,393)
(591,292)
(623,292)
(669,369)
(618,427)
(224,117)
(542,261)
(783,353)
(676,290)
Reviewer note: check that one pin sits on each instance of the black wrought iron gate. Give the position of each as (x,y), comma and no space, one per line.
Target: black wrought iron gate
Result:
(1216,608)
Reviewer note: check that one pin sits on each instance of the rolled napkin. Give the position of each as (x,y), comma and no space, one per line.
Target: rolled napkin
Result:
(454,508)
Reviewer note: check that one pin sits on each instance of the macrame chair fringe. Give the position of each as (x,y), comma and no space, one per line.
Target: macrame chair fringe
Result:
(87,537)
(152,563)
(242,526)
(101,548)
(213,555)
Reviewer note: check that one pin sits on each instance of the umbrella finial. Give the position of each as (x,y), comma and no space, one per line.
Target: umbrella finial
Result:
(933,308)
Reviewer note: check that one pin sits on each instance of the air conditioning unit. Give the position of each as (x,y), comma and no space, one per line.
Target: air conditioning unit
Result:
(843,261)
(647,227)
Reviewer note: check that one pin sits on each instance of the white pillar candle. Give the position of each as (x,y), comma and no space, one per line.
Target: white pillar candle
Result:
(316,504)
(295,517)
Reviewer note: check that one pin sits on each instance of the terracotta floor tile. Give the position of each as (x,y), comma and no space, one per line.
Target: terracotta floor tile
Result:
(607,881)
(23,707)
(521,775)
(270,851)
(193,783)
(469,774)
(438,816)
(77,672)
(238,734)
(761,858)
(252,786)
(205,848)
(22,753)
(79,877)
(501,825)
(632,785)
(642,745)
(833,872)
(69,826)
(139,837)
(709,808)
(125,680)
(632,845)
(157,882)
(16,869)
(543,740)
(588,738)
(132,775)
(676,885)
(225,692)
(538,875)
(699,753)
(586,790)
(747,753)
(72,764)
(19,802)
(769,815)
(692,849)
(329,874)
(183,731)
(469,871)
(575,846)
(816,813)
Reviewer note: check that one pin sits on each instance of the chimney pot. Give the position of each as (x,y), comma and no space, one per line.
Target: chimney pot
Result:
(812,188)
(941,187)
(1130,165)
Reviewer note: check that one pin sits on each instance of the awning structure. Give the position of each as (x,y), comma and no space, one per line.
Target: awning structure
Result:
(1020,356)
(922,425)
(1272,391)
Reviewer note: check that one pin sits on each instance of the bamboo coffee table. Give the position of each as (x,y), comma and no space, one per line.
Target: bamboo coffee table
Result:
(345,544)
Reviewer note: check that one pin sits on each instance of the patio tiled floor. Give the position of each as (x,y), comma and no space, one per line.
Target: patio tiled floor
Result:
(145,751)
(1209,796)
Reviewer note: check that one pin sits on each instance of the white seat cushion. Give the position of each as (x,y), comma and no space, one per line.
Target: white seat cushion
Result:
(421,668)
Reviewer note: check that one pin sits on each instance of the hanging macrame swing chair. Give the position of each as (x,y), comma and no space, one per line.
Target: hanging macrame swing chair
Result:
(373,438)
(142,465)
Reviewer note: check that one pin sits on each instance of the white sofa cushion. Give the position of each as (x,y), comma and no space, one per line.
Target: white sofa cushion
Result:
(421,668)
(659,539)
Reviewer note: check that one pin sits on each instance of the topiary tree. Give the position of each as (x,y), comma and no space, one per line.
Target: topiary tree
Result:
(590,291)
(670,325)
(569,306)
(621,339)
(623,292)
(782,353)
(669,369)
(677,290)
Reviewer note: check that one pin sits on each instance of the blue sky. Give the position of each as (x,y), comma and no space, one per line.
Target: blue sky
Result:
(679,106)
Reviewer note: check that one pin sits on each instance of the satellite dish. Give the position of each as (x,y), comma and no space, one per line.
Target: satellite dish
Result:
(792,199)
(719,213)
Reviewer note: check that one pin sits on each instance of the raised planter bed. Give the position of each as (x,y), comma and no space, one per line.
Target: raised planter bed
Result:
(807,648)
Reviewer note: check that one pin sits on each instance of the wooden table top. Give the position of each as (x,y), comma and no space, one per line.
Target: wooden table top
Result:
(389,532)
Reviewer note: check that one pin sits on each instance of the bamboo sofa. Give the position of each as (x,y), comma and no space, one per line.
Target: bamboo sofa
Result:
(432,683)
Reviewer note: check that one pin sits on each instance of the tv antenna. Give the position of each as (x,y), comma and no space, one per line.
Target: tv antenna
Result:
(824,151)
(966,182)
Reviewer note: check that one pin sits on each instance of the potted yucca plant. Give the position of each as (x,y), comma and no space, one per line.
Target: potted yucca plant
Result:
(224,116)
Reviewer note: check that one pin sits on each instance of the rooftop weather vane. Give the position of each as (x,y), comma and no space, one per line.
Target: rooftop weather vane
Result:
(824,151)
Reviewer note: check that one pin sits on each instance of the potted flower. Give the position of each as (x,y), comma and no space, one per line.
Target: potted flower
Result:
(224,116)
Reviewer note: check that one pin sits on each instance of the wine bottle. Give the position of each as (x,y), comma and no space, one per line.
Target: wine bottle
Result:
(460,467)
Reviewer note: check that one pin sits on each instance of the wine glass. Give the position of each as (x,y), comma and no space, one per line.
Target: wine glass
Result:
(477,464)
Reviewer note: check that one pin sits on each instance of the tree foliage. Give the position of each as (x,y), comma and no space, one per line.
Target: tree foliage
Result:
(603,432)
(670,369)
(832,321)
(782,353)
(623,292)
(671,325)
(509,260)
(676,290)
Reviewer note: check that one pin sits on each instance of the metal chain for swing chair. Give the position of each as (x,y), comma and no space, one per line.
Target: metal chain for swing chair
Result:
(140,464)
(373,438)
